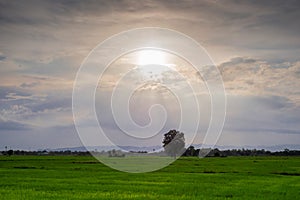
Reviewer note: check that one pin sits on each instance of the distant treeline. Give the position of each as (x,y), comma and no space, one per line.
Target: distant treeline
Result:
(191,151)
(40,153)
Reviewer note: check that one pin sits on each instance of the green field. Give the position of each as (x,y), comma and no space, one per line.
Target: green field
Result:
(75,177)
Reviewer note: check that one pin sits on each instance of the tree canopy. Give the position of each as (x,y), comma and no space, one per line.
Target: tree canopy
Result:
(174,143)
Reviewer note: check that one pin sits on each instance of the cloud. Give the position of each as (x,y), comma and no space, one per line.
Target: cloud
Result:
(262,130)
(248,76)
(29,85)
(2,57)
(44,42)
(5,91)
(261,114)
(9,125)
(57,29)
(35,109)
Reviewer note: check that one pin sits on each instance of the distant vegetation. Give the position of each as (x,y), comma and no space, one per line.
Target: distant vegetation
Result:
(189,152)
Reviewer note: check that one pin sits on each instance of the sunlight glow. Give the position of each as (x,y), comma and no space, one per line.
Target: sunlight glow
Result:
(152,63)
(148,57)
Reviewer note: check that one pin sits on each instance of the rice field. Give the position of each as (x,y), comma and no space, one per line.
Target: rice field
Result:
(83,177)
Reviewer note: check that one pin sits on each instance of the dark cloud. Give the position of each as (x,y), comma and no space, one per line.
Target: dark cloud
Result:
(254,130)
(39,139)
(47,110)
(264,29)
(5,91)
(10,125)
(2,57)
(29,85)
(238,60)
(259,114)
(16,96)
(273,102)
(52,103)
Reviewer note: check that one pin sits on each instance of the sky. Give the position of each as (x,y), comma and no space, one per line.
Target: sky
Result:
(254,44)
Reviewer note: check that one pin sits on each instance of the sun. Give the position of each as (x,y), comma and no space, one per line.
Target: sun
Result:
(152,63)
(151,57)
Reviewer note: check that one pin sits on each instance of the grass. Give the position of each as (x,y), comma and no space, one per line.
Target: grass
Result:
(75,177)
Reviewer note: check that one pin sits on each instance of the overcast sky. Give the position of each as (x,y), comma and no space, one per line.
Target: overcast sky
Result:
(255,45)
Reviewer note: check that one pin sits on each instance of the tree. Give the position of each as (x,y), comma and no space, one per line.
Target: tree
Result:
(10,152)
(191,151)
(174,143)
